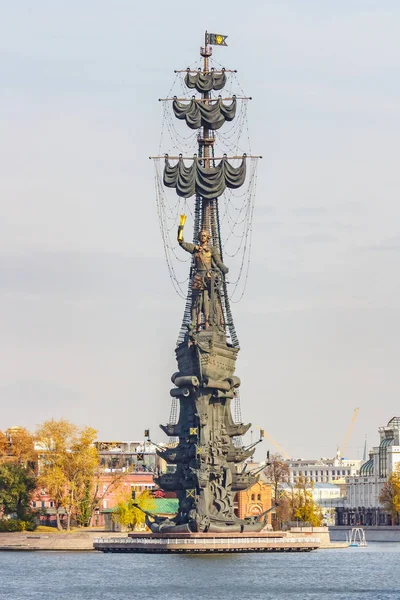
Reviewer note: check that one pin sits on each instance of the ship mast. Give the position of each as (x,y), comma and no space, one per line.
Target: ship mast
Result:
(206,142)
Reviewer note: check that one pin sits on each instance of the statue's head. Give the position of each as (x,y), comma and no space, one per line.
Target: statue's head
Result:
(204,236)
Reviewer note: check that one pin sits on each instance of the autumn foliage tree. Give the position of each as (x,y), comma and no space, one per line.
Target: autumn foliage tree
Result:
(129,515)
(294,502)
(67,465)
(277,473)
(17,445)
(304,507)
(389,498)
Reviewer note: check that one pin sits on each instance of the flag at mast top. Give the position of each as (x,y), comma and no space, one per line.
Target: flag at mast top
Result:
(211,39)
(215,39)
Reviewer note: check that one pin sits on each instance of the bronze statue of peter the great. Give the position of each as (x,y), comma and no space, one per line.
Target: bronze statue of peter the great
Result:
(207,265)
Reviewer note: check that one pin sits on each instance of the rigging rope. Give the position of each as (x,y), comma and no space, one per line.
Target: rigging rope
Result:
(237,205)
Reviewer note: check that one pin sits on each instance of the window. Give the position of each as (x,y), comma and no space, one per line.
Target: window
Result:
(258,496)
(51,504)
(34,504)
(253,497)
(383,459)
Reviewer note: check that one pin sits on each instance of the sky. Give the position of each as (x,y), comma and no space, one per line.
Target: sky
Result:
(88,315)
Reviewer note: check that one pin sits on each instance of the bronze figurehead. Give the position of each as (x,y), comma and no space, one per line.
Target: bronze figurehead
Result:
(208,268)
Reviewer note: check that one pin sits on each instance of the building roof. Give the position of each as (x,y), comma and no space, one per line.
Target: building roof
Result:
(394,422)
(367,468)
(386,442)
(165,506)
(162,506)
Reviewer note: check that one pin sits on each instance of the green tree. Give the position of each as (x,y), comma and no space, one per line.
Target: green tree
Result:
(17,484)
(96,492)
(129,515)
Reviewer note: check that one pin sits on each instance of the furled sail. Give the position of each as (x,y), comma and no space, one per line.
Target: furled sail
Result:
(205,82)
(208,182)
(199,114)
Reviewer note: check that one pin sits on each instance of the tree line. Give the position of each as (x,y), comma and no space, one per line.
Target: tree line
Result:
(292,502)
(59,458)
(295,502)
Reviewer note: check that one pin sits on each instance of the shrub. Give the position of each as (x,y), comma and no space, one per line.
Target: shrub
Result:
(14,525)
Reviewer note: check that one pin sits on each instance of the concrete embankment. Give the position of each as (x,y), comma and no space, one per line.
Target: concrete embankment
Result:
(73,541)
(372,534)
(83,540)
(322,533)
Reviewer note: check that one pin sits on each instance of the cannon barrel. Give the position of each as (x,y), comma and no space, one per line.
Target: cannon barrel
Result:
(219,385)
(183,380)
(183,391)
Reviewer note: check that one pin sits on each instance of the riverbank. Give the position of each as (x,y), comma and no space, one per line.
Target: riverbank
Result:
(81,540)
(73,541)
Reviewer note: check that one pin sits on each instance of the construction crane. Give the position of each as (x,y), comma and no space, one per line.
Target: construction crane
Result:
(346,441)
(277,446)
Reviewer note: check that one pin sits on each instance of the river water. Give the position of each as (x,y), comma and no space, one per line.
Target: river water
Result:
(371,573)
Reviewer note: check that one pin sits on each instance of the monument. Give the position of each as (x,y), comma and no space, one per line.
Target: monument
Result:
(209,466)
(207,458)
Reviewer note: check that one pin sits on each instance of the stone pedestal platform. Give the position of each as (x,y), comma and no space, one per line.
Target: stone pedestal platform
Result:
(204,543)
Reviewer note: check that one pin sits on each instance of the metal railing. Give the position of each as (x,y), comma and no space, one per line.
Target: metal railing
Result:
(206,541)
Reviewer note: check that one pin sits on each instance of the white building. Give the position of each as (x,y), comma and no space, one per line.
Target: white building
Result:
(322,493)
(323,470)
(128,456)
(361,505)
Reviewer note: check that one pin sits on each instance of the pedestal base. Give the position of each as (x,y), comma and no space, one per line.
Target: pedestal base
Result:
(201,543)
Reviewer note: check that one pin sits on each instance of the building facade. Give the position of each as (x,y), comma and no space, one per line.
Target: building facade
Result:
(254,501)
(361,506)
(133,456)
(323,470)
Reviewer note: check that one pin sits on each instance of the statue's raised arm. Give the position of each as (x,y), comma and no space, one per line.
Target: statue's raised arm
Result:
(209,256)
